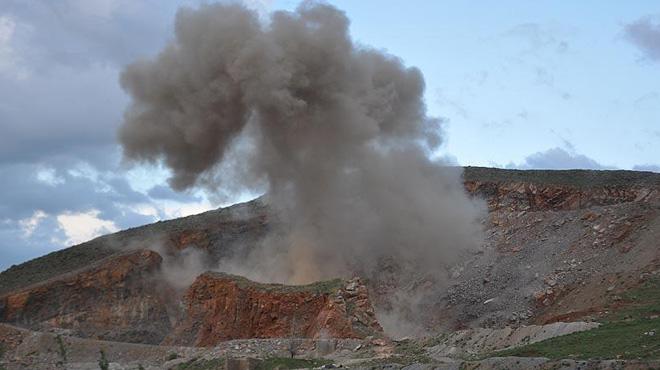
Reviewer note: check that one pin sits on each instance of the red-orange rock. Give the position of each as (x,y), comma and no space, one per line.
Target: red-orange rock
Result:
(221,307)
(540,197)
(116,299)
(123,299)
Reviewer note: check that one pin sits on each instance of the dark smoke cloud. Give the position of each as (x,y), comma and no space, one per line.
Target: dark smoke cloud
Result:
(338,133)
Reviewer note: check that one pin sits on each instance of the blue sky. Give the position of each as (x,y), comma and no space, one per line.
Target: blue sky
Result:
(522,84)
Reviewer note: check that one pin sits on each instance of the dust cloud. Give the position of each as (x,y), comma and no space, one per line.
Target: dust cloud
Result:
(335,133)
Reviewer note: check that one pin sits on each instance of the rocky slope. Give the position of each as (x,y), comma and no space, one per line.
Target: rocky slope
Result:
(560,246)
(25,349)
(116,299)
(124,298)
(221,307)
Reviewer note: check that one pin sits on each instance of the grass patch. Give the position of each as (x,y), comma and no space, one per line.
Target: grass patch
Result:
(625,333)
(290,363)
(406,352)
(626,340)
(2,355)
(104,364)
(643,302)
(200,364)
(61,349)
(320,287)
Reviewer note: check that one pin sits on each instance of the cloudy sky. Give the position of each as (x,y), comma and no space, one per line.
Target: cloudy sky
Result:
(525,84)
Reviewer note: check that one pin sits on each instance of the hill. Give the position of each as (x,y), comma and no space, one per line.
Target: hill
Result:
(559,246)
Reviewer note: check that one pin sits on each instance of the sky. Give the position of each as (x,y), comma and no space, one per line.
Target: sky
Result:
(543,84)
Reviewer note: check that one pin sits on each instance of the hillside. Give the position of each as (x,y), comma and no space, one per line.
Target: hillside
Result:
(560,246)
(249,220)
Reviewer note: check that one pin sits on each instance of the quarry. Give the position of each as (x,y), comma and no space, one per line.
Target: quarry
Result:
(568,255)
(269,191)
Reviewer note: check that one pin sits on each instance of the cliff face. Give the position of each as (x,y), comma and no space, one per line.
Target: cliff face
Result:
(220,307)
(123,299)
(525,196)
(114,300)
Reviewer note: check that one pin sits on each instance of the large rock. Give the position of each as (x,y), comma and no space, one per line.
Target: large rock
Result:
(116,299)
(220,307)
(123,299)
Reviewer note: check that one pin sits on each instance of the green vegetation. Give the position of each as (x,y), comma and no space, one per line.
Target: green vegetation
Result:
(61,348)
(53,264)
(172,356)
(632,332)
(319,287)
(266,364)
(104,364)
(406,352)
(86,254)
(290,363)
(200,364)
(411,351)
(2,355)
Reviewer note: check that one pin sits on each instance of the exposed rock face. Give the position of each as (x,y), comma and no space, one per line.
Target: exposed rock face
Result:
(519,196)
(219,233)
(114,300)
(220,307)
(560,246)
(122,299)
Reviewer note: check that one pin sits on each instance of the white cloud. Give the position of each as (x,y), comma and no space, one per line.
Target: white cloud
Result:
(10,63)
(144,177)
(647,167)
(176,209)
(49,177)
(28,225)
(83,226)
(84,170)
(145,209)
(263,7)
(559,159)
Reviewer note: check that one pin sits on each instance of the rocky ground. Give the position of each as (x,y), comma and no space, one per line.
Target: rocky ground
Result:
(568,277)
(120,299)
(558,250)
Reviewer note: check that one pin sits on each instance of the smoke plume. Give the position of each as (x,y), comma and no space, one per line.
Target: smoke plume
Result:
(336,132)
